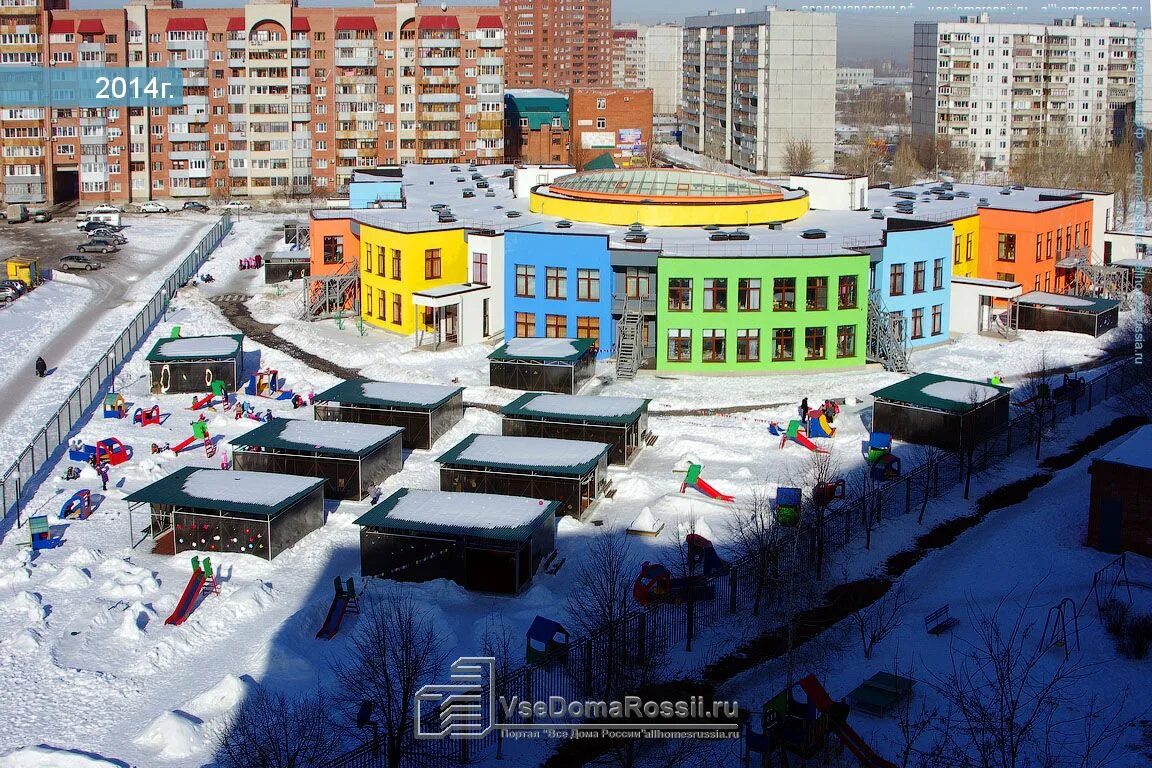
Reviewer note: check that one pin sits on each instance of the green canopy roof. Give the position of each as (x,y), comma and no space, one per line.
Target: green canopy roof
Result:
(259,494)
(538,110)
(334,438)
(387,394)
(577,408)
(190,348)
(527,350)
(941,393)
(603,162)
(568,458)
(476,515)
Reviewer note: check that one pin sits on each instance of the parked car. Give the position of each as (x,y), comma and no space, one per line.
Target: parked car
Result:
(8,293)
(42,217)
(194,205)
(79,262)
(15,285)
(106,208)
(237,205)
(97,245)
(107,234)
(153,206)
(93,226)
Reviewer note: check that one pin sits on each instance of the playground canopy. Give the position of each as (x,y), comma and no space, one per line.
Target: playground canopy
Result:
(622,422)
(572,472)
(1040,311)
(1120,504)
(215,510)
(350,457)
(930,409)
(425,411)
(485,542)
(192,363)
(286,265)
(543,365)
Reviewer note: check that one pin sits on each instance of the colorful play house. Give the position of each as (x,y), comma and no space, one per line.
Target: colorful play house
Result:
(543,365)
(946,412)
(546,641)
(1120,504)
(622,422)
(215,510)
(114,406)
(483,542)
(192,363)
(572,472)
(425,411)
(352,458)
(1040,311)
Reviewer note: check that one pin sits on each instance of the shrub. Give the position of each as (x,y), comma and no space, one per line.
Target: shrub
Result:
(1137,638)
(1114,615)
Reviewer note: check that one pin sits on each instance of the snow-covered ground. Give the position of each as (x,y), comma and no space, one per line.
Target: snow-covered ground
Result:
(37,316)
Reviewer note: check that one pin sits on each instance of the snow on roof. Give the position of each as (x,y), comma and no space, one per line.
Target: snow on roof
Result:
(544,453)
(411,394)
(581,405)
(540,348)
(440,291)
(483,511)
(1054,299)
(1136,451)
(960,391)
(195,347)
(340,437)
(260,488)
(942,393)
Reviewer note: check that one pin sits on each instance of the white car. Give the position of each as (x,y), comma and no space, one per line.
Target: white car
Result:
(154,207)
(237,205)
(106,208)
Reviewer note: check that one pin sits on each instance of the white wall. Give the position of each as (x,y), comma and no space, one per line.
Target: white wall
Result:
(964,314)
(1124,245)
(833,194)
(1103,214)
(493,246)
(531,175)
(471,327)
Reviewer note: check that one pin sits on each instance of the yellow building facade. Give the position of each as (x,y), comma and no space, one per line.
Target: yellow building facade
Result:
(394,265)
(965,246)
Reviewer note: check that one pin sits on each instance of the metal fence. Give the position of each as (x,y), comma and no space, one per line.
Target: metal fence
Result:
(16,482)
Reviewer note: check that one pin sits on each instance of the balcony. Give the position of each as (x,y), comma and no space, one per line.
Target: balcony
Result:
(188,136)
(90,48)
(490,61)
(491,42)
(438,98)
(234,44)
(439,61)
(237,135)
(440,154)
(440,135)
(490,134)
(305,80)
(490,153)
(299,117)
(198,155)
(195,82)
(190,173)
(361,60)
(300,61)
(441,80)
(193,63)
(439,42)
(347,152)
(356,134)
(237,62)
(492,79)
(301,45)
(430,116)
(203,192)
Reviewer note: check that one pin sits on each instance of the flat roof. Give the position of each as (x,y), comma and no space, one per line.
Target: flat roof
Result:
(1062,301)
(482,515)
(454,289)
(339,438)
(985,282)
(941,393)
(663,183)
(1135,451)
(392,394)
(604,410)
(196,348)
(261,494)
(539,454)
(542,349)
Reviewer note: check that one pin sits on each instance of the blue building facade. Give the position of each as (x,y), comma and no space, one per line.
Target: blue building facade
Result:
(914,278)
(558,284)
(376,188)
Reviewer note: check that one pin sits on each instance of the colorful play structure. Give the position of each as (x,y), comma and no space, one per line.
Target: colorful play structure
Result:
(546,641)
(877,451)
(107,451)
(43,535)
(248,411)
(820,420)
(826,493)
(267,384)
(345,602)
(1071,388)
(146,417)
(114,406)
(795,433)
(788,506)
(199,432)
(702,557)
(78,507)
(202,580)
(654,582)
(693,480)
(219,390)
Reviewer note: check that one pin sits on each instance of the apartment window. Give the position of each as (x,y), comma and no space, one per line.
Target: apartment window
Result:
(1059,243)
(919,270)
(715,294)
(1008,277)
(480,268)
(713,346)
(601,123)
(748,345)
(896,280)
(938,275)
(748,294)
(525,325)
(937,319)
(846,294)
(956,250)
(814,343)
(679,345)
(397,258)
(525,280)
(382,305)
(680,294)
(918,323)
(784,294)
(334,251)
(783,344)
(968,247)
(381,255)
(846,341)
(556,326)
(1048,246)
(1047,281)
(588,328)
(397,309)
(368,310)
(1006,248)
(637,283)
(601,103)
(556,283)
(588,285)
(817,294)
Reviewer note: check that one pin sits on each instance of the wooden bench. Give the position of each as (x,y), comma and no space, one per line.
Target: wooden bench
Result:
(940,621)
(880,693)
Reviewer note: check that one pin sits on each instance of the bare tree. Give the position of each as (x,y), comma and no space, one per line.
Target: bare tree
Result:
(864,485)
(272,730)
(501,644)
(798,156)
(750,529)
(1035,393)
(395,650)
(914,747)
(925,477)
(905,167)
(877,621)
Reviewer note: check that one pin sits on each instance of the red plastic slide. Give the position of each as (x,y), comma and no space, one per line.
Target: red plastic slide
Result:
(187,602)
(334,617)
(711,492)
(804,441)
(851,740)
(183,444)
(202,402)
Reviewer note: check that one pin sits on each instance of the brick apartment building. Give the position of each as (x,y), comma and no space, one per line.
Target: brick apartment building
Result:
(277,99)
(558,44)
(612,121)
(537,130)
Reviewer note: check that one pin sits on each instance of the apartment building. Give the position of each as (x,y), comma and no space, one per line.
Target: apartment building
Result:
(755,81)
(277,99)
(997,88)
(558,44)
(628,49)
(854,77)
(650,57)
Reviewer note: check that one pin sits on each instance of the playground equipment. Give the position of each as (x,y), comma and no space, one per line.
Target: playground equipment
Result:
(248,411)
(79,507)
(820,420)
(787,507)
(653,582)
(826,493)
(42,534)
(109,450)
(1071,388)
(877,452)
(1061,617)
(546,640)
(702,557)
(794,434)
(266,383)
(693,480)
(145,418)
(344,602)
(114,406)
(202,579)
(646,524)
(199,432)
(219,389)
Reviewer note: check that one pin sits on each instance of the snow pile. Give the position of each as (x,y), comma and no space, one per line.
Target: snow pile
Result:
(409,394)
(220,699)
(136,618)
(24,641)
(259,488)
(466,510)
(584,405)
(531,451)
(28,604)
(198,347)
(51,757)
(698,527)
(172,735)
(70,577)
(128,582)
(1053,299)
(341,436)
(960,391)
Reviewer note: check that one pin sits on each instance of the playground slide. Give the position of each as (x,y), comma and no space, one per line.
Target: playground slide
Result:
(183,444)
(202,402)
(851,740)
(187,602)
(804,441)
(711,492)
(829,430)
(334,617)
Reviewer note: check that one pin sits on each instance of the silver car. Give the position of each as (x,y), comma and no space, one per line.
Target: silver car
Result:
(79,262)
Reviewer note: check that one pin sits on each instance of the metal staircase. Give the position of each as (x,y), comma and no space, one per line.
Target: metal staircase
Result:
(886,338)
(327,296)
(628,341)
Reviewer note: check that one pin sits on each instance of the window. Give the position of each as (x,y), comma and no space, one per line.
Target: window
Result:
(918,272)
(679,345)
(432,264)
(601,103)
(846,341)
(713,346)
(846,296)
(1059,243)
(918,323)
(588,328)
(784,294)
(382,305)
(1006,250)
(480,268)
(1039,247)
(896,280)
(783,344)
(334,251)
(367,299)
(1008,277)
(525,325)
(587,285)
(968,247)
(525,280)
(380,260)
(556,326)
(748,346)
(938,275)
(814,343)
(555,283)
(679,294)
(715,294)
(601,123)
(937,319)
(637,283)
(397,257)
(817,293)
(748,294)
(956,250)
(397,310)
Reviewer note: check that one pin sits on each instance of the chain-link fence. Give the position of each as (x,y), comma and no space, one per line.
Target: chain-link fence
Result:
(17,482)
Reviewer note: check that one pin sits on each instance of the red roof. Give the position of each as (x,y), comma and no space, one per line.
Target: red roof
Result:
(236,24)
(438,22)
(356,23)
(61,27)
(624,34)
(90,27)
(489,22)
(189,24)
(300,24)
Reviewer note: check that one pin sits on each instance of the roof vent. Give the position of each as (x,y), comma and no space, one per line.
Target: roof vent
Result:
(776,225)
(982,203)
(1018,187)
(813,234)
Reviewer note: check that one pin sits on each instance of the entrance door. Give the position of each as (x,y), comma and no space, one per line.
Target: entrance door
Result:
(1111,526)
(985,314)
(451,325)
(487,327)
(163,533)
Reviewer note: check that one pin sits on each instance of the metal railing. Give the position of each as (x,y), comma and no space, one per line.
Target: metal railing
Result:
(16,482)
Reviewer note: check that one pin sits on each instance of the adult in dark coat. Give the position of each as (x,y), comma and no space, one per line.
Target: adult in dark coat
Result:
(41,367)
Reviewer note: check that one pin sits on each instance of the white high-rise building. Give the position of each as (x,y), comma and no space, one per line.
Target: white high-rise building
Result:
(650,57)
(755,81)
(998,88)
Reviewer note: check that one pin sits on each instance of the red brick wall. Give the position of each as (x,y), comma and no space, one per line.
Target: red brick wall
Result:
(622,109)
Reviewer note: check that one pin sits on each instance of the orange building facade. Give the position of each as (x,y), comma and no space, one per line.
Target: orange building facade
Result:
(333,246)
(1027,246)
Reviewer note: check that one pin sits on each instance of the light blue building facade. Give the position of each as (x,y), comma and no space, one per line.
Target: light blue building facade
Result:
(376,188)
(914,278)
